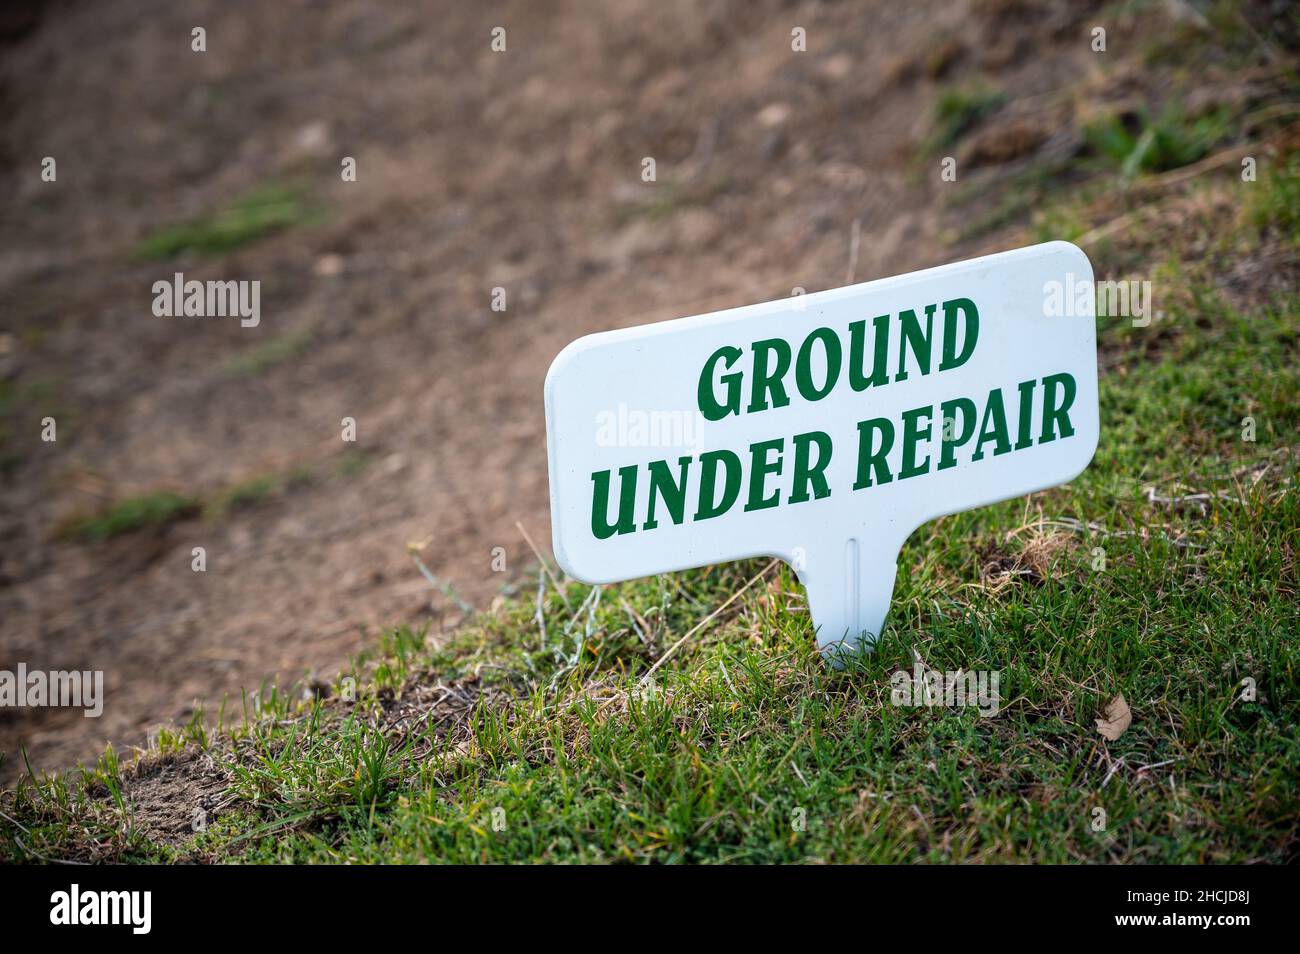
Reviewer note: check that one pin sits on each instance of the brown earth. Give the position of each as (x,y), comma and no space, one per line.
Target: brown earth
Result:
(476,169)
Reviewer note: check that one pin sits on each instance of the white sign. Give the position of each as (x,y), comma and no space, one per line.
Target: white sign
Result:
(823,429)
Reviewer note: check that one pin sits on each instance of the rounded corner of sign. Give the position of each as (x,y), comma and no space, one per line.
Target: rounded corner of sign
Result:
(1085,457)
(565,357)
(1069,248)
(557,366)
(572,568)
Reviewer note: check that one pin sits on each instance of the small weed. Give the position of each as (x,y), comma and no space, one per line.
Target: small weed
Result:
(352,462)
(267,209)
(958,111)
(267,355)
(255,490)
(1148,145)
(149,511)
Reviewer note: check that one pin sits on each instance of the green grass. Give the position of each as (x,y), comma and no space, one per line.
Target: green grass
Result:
(147,511)
(161,508)
(1226,34)
(244,494)
(274,351)
(1168,572)
(1275,203)
(671,195)
(23,407)
(957,111)
(1168,140)
(267,209)
(257,490)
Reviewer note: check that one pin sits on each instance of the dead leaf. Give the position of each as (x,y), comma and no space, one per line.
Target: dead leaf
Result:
(1118,718)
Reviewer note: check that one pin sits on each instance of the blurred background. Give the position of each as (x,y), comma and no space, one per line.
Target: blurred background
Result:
(479,169)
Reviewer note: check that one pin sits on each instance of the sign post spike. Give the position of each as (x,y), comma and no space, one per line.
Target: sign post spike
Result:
(849,584)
